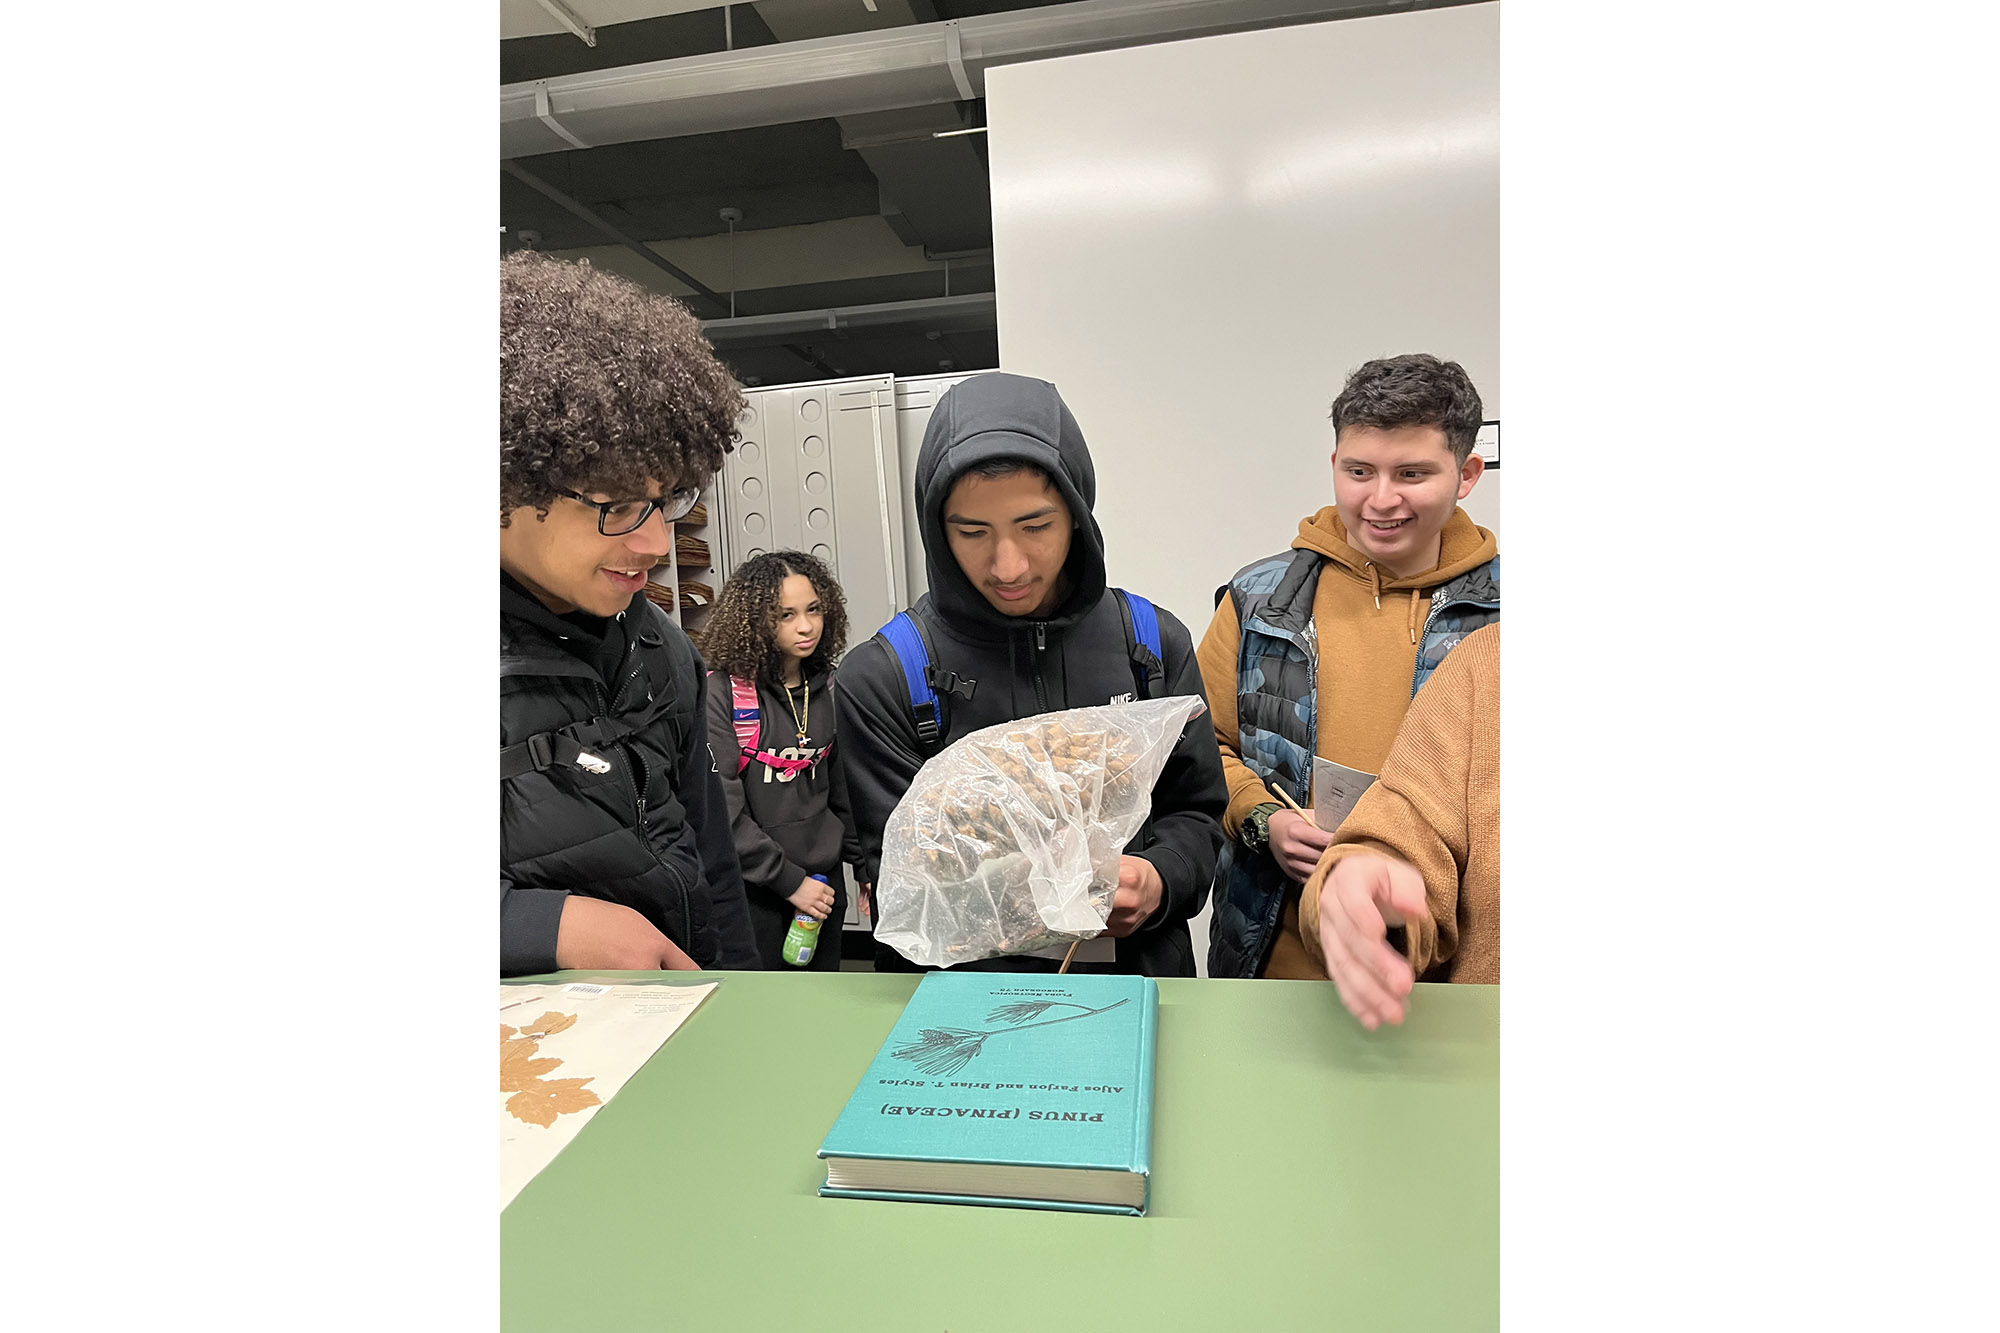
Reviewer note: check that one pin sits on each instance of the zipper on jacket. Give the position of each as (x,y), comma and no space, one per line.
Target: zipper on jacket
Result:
(639,810)
(639,806)
(630,676)
(1437,609)
(631,761)
(687,906)
(1041,648)
(639,776)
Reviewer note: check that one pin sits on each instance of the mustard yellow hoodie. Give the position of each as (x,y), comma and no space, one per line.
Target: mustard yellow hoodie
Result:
(1367,622)
(1438,808)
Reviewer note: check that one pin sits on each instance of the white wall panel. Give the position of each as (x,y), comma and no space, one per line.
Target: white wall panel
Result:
(1196,242)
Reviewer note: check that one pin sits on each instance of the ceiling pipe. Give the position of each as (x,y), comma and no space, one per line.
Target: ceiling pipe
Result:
(613,233)
(562,14)
(653,257)
(916,65)
(945,314)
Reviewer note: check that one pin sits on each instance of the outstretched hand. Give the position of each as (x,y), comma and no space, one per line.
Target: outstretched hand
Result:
(1363,896)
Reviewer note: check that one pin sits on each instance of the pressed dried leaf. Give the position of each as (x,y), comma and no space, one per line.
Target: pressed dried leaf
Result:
(541,1104)
(532,1109)
(550,1023)
(521,1066)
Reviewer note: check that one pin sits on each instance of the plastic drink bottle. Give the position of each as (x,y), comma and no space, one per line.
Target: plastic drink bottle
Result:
(803,937)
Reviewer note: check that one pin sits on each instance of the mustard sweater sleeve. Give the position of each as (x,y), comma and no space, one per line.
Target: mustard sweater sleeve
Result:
(1417,809)
(1217,658)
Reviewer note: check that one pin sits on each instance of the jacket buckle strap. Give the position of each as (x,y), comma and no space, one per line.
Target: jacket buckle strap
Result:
(546,750)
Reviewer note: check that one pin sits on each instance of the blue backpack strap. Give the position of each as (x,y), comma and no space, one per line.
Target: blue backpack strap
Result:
(906,641)
(1142,630)
(1145,620)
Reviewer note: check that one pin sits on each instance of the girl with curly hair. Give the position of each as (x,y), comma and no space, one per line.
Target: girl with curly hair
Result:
(770,642)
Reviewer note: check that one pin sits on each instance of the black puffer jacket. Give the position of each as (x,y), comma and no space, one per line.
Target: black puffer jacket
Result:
(652,832)
(1017,667)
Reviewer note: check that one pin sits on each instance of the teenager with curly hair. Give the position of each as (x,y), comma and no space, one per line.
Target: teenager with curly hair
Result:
(771,639)
(614,837)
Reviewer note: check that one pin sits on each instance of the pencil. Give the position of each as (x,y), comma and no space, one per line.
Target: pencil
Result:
(1283,796)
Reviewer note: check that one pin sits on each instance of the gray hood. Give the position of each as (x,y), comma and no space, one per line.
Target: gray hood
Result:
(991,416)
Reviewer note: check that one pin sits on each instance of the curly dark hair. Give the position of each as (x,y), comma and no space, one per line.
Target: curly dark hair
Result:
(1412,390)
(603,386)
(738,636)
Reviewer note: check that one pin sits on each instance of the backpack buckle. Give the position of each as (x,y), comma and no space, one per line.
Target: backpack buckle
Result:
(927,722)
(950,682)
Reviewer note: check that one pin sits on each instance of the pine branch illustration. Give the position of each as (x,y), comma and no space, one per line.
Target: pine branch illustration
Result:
(1027,1009)
(942,1052)
(1066,1018)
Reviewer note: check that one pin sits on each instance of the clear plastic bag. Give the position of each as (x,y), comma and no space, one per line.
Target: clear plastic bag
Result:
(1008,841)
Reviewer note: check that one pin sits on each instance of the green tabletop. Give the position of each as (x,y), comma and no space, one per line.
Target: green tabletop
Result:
(1306,1174)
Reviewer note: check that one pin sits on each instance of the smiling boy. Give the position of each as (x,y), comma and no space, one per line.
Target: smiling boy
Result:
(1318,650)
(614,841)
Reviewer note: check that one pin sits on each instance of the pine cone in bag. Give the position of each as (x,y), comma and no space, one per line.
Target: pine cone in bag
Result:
(1008,841)
(1032,782)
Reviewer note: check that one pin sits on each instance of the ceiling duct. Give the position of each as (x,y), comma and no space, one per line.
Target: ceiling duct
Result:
(917,65)
(942,314)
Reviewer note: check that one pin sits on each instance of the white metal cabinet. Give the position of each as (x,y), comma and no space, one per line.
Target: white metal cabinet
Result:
(817,469)
(915,399)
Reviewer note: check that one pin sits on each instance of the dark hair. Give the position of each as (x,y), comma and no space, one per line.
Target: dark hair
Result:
(603,385)
(739,635)
(995,468)
(1412,390)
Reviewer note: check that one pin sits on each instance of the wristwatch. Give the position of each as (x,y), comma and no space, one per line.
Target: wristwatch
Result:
(1255,832)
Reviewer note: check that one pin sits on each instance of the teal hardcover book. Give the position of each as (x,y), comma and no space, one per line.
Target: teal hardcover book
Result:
(1023,1090)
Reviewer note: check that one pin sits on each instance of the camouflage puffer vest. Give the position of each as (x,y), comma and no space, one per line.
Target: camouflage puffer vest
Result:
(1278,725)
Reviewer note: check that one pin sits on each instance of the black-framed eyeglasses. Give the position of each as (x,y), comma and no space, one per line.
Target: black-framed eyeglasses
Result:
(617,517)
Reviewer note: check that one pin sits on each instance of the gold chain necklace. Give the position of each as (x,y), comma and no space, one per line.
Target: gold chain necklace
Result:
(800,719)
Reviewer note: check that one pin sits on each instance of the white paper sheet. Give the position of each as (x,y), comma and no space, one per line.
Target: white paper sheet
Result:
(1335,790)
(565,1050)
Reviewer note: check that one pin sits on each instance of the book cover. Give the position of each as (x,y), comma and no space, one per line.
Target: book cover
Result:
(1025,1090)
